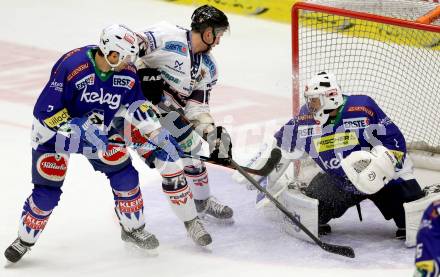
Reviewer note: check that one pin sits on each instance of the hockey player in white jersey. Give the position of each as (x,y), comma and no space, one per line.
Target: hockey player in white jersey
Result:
(177,73)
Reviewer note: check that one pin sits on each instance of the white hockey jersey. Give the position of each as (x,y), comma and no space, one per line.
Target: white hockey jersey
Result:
(189,77)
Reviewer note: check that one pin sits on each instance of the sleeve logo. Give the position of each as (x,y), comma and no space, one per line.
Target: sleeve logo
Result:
(57,119)
(176,47)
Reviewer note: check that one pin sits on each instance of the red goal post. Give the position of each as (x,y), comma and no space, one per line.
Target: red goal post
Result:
(376,48)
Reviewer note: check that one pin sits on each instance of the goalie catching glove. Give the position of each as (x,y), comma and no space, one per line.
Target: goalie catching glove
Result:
(370,171)
(220,146)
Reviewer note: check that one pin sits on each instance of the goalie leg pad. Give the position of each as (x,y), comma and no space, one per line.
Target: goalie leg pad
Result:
(273,184)
(333,201)
(390,199)
(413,215)
(304,209)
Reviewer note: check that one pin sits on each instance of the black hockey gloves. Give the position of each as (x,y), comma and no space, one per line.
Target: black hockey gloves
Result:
(220,146)
(152,84)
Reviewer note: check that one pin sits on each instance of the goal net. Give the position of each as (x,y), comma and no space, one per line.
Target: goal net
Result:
(389,50)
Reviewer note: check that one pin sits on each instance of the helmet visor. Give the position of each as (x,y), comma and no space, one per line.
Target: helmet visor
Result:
(315,102)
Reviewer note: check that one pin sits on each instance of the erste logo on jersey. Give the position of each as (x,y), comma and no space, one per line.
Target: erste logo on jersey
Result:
(176,47)
(52,166)
(123,81)
(89,80)
(356,123)
(305,131)
(113,100)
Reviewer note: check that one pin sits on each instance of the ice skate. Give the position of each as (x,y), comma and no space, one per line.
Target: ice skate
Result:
(140,237)
(16,250)
(212,209)
(197,232)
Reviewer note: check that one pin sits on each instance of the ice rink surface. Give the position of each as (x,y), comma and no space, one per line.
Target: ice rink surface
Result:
(252,100)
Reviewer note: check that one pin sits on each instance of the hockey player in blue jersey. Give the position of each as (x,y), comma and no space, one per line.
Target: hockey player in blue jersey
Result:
(361,152)
(428,243)
(87,89)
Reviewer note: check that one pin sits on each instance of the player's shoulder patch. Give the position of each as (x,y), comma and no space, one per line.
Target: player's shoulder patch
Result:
(305,117)
(78,62)
(361,109)
(209,62)
(70,53)
(177,47)
(78,69)
(69,59)
(363,104)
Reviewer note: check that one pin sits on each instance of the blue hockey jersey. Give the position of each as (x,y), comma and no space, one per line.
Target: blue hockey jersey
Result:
(428,243)
(360,124)
(77,88)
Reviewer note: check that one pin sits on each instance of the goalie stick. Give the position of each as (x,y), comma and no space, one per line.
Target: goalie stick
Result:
(332,248)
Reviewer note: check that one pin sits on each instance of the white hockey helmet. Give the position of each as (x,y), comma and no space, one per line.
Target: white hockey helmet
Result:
(323,95)
(120,39)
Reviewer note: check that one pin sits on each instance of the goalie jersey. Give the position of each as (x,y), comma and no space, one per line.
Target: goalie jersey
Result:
(77,88)
(189,76)
(360,124)
(428,243)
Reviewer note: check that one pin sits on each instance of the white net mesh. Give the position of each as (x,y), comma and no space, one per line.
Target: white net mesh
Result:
(398,66)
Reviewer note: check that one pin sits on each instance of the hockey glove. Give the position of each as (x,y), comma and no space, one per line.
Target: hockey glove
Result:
(220,146)
(165,147)
(88,133)
(152,84)
(370,171)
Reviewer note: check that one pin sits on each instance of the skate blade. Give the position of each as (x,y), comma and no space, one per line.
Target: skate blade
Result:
(139,251)
(212,219)
(206,248)
(9,264)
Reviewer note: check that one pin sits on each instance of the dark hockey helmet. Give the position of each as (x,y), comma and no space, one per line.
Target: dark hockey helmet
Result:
(209,16)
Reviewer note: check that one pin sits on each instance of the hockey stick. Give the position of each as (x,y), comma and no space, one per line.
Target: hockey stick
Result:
(332,248)
(275,157)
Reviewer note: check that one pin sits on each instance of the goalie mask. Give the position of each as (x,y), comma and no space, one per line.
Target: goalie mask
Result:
(323,95)
(119,38)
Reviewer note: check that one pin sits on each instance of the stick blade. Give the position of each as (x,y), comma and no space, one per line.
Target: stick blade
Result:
(339,249)
(275,155)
